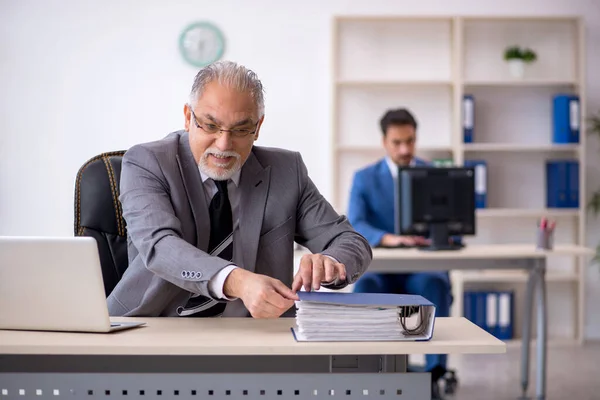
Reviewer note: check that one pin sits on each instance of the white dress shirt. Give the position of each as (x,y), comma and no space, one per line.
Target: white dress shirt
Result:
(215,285)
(394,167)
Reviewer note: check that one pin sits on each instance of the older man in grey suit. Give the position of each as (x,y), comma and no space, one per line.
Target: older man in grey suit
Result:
(212,219)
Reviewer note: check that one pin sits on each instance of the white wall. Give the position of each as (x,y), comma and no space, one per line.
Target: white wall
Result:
(82,77)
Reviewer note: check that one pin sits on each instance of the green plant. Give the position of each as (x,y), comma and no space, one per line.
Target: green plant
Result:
(594,202)
(516,53)
(512,53)
(529,56)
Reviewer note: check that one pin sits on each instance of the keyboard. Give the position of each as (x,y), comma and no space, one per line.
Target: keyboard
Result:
(404,246)
(417,246)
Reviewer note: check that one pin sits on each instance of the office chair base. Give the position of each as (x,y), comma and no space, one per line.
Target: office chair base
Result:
(444,381)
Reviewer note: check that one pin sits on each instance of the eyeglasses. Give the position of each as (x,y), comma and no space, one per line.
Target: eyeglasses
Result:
(213,128)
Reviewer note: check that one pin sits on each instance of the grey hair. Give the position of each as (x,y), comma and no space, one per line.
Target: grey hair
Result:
(230,74)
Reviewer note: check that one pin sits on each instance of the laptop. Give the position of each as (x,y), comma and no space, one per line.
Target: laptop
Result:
(53,284)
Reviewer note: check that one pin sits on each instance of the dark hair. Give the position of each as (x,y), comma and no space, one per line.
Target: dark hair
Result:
(399,116)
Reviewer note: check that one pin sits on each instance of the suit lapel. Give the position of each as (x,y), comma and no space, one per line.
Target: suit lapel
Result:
(386,183)
(386,196)
(195,191)
(254,188)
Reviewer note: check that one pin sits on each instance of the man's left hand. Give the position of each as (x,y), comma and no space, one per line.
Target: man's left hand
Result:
(316,269)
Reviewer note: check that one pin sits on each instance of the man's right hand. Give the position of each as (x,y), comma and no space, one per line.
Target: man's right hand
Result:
(263,296)
(395,240)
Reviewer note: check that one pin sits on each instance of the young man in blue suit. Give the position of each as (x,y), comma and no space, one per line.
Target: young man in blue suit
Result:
(371,212)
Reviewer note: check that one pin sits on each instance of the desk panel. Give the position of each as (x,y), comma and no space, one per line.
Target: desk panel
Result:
(217,386)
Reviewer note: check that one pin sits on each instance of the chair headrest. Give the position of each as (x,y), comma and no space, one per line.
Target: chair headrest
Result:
(97,203)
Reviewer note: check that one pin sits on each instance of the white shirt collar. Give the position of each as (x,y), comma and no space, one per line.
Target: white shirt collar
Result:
(394,168)
(235,178)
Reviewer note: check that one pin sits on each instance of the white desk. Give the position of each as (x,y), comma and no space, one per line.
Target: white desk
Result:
(222,358)
(517,256)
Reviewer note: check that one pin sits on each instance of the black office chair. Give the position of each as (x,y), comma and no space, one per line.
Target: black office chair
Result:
(98,213)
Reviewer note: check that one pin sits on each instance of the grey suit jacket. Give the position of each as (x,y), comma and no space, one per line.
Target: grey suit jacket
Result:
(168,226)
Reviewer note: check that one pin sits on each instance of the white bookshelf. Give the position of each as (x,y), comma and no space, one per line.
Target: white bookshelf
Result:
(427,64)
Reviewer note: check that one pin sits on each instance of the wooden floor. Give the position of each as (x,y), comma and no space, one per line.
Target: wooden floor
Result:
(573,374)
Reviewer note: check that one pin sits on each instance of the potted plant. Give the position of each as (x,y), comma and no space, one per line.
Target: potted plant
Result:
(517,58)
(594,203)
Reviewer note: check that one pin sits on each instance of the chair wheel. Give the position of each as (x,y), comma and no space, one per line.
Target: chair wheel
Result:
(451,382)
(450,388)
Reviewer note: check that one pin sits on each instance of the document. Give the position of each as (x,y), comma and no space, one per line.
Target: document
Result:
(337,316)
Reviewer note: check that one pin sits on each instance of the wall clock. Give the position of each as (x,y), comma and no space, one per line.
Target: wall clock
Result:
(201,43)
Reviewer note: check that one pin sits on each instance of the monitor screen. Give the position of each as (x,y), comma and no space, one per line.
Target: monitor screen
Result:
(436,202)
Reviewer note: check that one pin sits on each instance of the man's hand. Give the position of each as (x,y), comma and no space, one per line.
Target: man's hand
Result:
(316,269)
(395,240)
(263,296)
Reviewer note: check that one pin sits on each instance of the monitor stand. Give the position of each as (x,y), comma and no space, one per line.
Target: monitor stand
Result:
(440,239)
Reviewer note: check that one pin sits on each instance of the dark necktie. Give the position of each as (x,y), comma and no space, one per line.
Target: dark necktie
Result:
(220,245)
(221,223)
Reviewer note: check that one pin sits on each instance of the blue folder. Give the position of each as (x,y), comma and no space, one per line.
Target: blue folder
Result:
(367,302)
(504,328)
(481,177)
(468,306)
(468,117)
(557,190)
(491,312)
(475,308)
(573,183)
(565,118)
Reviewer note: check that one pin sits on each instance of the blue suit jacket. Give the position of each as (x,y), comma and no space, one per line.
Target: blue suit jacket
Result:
(371,209)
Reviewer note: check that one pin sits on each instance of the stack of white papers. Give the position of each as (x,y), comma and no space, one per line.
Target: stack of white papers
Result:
(332,316)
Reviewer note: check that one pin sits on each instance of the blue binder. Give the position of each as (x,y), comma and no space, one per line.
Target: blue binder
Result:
(557,192)
(468,306)
(468,117)
(491,312)
(481,309)
(480,181)
(565,118)
(355,306)
(573,183)
(504,329)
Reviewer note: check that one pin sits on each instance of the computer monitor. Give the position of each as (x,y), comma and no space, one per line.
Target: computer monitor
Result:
(436,202)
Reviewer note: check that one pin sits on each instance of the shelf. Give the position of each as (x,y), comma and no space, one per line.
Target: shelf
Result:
(378,149)
(393,18)
(510,276)
(472,147)
(520,18)
(527,212)
(388,83)
(519,147)
(522,82)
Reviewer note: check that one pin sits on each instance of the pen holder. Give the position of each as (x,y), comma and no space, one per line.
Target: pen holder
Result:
(545,239)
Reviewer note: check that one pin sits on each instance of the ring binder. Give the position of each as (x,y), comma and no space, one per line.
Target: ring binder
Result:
(335,316)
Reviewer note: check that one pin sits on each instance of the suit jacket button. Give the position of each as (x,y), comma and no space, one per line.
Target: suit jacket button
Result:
(198,275)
